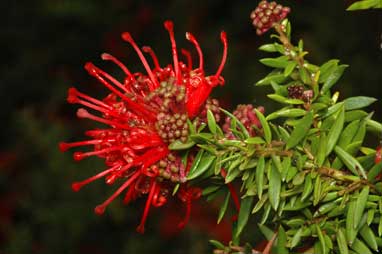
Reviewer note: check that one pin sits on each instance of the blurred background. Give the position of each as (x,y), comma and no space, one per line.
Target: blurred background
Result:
(44,44)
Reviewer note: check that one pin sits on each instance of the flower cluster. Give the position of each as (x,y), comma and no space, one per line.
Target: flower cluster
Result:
(143,115)
(245,113)
(267,14)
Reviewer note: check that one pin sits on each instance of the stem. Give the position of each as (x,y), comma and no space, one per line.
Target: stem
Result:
(298,58)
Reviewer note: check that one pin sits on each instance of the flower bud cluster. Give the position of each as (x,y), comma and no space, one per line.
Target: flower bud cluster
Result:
(247,116)
(168,97)
(266,14)
(213,106)
(299,92)
(172,127)
(169,168)
(171,122)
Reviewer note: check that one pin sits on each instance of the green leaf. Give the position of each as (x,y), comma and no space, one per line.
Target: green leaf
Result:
(289,68)
(260,176)
(370,216)
(211,121)
(286,112)
(341,241)
(245,210)
(286,164)
(274,187)
(321,153)
(365,4)
(354,115)
(241,126)
(360,206)
(353,165)
(275,47)
(284,133)
(358,102)
(335,131)
(218,244)
(179,145)
(265,126)
(260,203)
(305,76)
(285,100)
(308,187)
(266,211)
(296,238)
(327,69)
(374,126)
(279,62)
(223,208)
(333,78)
(348,134)
(200,165)
(232,174)
(360,247)
(202,138)
(210,189)
(317,190)
(369,237)
(254,141)
(374,172)
(333,109)
(300,130)
(321,238)
(281,241)
(266,231)
(273,76)
(351,232)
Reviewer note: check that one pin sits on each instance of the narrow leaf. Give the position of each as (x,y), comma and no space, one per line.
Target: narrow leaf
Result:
(245,210)
(200,167)
(341,241)
(223,208)
(360,247)
(300,130)
(286,112)
(360,206)
(353,165)
(321,238)
(335,131)
(333,78)
(211,121)
(274,187)
(358,102)
(289,68)
(265,126)
(260,176)
(279,62)
(281,241)
(327,69)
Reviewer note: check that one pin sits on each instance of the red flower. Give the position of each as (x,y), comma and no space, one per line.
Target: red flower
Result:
(144,114)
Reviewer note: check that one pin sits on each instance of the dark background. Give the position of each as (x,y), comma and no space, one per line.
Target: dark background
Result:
(44,44)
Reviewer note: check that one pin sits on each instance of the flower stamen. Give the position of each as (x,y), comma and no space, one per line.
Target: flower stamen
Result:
(187,54)
(223,37)
(192,39)
(150,51)
(108,57)
(76,186)
(141,226)
(170,28)
(127,37)
(100,209)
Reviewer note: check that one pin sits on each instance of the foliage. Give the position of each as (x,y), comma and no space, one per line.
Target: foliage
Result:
(365,4)
(307,173)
